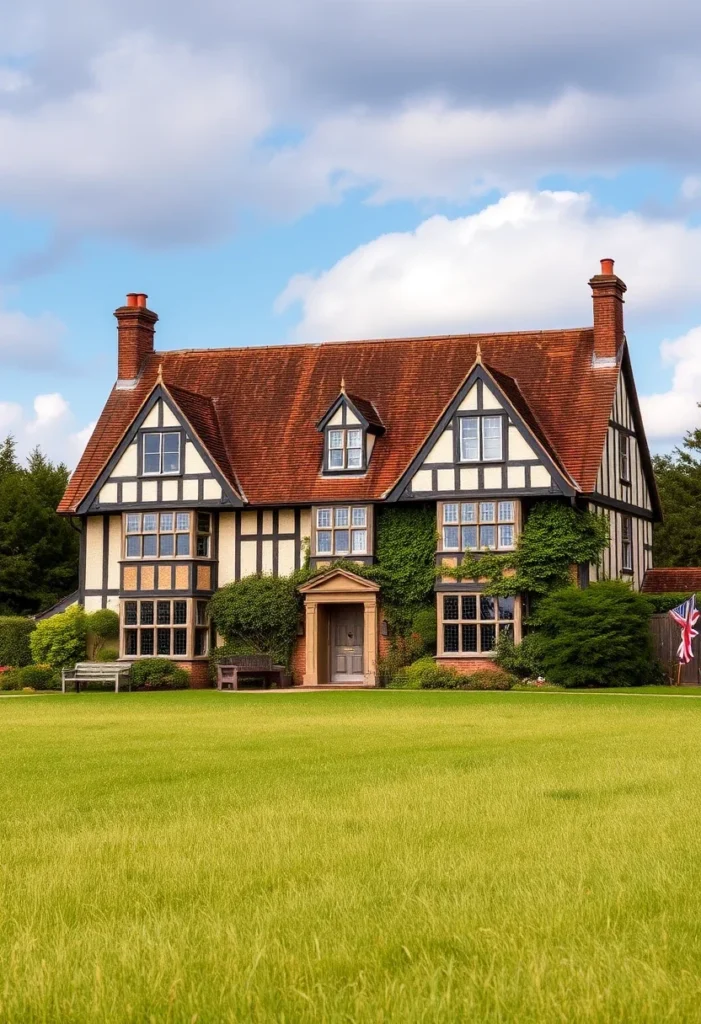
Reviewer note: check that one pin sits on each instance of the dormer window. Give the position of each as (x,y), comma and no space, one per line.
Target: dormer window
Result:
(481,438)
(350,427)
(161,453)
(345,448)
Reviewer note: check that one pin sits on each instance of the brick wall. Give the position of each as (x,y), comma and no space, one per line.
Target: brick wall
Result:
(299,660)
(466,666)
(135,329)
(199,673)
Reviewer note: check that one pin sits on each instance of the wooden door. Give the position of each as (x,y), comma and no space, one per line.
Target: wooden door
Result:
(347,644)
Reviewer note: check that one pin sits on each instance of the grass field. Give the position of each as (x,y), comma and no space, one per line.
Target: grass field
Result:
(367,856)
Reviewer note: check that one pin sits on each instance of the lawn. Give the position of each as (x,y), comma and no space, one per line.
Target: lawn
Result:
(366,856)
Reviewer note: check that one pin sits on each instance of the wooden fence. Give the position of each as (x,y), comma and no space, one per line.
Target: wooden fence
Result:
(665,640)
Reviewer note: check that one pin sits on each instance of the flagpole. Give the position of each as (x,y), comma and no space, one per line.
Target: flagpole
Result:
(679,673)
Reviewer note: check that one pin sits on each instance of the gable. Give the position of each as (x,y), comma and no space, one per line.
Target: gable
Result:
(126,483)
(442,468)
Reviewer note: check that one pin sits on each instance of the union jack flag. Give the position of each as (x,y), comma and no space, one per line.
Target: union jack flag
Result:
(686,615)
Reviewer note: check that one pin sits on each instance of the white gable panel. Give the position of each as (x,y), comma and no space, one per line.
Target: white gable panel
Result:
(337,417)
(128,464)
(423,481)
(490,401)
(169,417)
(194,463)
(152,418)
(442,450)
(519,449)
(350,416)
(470,399)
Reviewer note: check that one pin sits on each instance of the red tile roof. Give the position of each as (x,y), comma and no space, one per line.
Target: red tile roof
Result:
(672,581)
(256,408)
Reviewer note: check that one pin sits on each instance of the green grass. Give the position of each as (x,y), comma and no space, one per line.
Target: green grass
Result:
(368,856)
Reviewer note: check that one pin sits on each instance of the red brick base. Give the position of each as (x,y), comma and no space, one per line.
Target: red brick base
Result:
(466,666)
(199,673)
(299,660)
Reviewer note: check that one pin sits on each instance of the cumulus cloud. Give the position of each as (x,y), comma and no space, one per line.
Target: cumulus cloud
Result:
(519,263)
(162,135)
(669,414)
(27,342)
(51,426)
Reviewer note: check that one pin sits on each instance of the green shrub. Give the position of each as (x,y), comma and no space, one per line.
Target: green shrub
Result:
(661,603)
(488,679)
(60,640)
(425,674)
(524,659)
(9,680)
(599,636)
(259,615)
(39,677)
(107,654)
(159,674)
(424,625)
(103,626)
(14,640)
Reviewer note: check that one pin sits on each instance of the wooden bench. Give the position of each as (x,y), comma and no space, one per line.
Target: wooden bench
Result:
(230,670)
(95,672)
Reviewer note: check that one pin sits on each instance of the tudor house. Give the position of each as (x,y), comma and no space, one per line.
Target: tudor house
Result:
(208,465)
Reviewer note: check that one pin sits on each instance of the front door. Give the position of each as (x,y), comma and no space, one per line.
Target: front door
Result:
(347,644)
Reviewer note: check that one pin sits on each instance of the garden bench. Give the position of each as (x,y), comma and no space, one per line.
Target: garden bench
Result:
(230,670)
(95,672)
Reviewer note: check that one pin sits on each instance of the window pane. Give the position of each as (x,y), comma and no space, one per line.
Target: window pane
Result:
(130,642)
(323,517)
(341,517)
(506,536)
(147,613)
(469,439)
(450,538)
(152,444)
(133,522)
(625,524)
(469,538)
(335,459)
(182,543)
(450,607)
(487,537)
(360,541)
(202,547)
(506,607)
(133,547)
(355,458)
(171,462)
(507,628)
(201,613)
(204,522)
(201,636)
(488,637)
(182,522)
(163,641)
(150,545)
(468,512)
(342,540)
(166,522)
(506,511)
(130,613)
(469,639)
(171,443)
(359,517)
(491,437)
(335,439)
(487,607)
(167,545)
(450,513)
(354,439)
(180,612)
(152,463)
(469,607)
(487,512)
(323,542)
(163,613)
(150,520)
(450,638)
(179,641)
(146,641)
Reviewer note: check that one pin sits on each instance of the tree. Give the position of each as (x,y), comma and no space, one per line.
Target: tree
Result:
(677,540)
(38,548)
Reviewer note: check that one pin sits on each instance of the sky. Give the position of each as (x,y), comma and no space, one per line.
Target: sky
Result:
(331,169)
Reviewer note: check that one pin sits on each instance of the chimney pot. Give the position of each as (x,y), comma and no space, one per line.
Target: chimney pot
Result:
(607,267)
(141,300)
(132,299)
(607,292)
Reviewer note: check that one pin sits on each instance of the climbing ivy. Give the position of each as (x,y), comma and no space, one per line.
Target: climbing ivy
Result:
(406,561)
(554,538)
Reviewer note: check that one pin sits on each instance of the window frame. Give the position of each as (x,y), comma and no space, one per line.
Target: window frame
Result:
(195,611)
(481,417)
(193,533)
(334,528)
(624,457)
(462,523)
(160,432)
(499,621)
(344,429)
(627,545)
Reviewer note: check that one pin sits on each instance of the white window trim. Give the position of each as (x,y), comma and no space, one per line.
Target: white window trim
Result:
(333,529)
(161,472)
(480,437)
(479,522)
(345,468)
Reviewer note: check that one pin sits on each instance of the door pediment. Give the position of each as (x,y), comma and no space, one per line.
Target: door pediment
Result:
(339,581)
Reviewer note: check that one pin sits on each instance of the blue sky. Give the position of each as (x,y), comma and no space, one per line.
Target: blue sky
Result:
(284,172)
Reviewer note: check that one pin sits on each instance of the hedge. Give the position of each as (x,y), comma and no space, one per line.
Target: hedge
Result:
(14,640)
(661,603)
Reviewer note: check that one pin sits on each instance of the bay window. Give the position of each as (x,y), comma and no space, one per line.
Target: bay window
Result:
(478,525)
(481,438)
(165,628)
(471,623)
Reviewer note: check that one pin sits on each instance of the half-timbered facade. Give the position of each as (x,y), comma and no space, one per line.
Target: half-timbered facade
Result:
(210,465)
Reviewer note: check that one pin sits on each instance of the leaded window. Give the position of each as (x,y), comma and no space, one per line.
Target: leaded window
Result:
(471,623)
(155,627)
(342,530)
(479,525)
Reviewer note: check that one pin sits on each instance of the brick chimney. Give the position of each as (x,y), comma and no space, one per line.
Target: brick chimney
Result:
(608,290)
(135,329)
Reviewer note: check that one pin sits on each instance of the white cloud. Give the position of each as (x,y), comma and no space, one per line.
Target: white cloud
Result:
(27,342)
(520,263)
(669,414)
(52,427)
